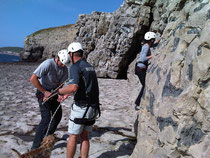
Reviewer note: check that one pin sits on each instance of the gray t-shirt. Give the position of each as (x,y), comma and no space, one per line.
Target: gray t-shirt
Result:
(50,74)
(143,59)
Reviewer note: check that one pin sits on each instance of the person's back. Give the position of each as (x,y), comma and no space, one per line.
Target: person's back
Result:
(88,89)
(144,56)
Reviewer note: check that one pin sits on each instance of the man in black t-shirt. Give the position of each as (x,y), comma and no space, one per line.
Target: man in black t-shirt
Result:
(84,85)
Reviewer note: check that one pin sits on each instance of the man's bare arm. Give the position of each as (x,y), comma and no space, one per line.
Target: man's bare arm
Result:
(69,90)
(34,80)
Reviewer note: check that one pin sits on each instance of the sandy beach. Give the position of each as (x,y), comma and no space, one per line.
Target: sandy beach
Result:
(113,135)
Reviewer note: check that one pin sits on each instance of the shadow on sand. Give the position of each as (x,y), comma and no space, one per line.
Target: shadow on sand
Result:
(127,143)
(126,148)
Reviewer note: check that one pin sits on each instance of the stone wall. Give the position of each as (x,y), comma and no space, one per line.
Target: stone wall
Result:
(174,119)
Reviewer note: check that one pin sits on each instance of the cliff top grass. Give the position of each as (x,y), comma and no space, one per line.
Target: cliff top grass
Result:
(51,29)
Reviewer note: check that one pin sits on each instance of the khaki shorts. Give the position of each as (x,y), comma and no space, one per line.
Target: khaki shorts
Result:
(78,112)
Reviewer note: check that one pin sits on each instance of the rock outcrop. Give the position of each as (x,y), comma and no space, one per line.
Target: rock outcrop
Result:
(46,43)
(174,119)
(112,39)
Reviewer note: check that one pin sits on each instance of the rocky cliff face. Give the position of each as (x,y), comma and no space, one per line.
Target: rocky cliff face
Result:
(174,120)
(46,43)
(112,39)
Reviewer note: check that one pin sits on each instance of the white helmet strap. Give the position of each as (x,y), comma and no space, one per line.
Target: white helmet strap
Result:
(72,57)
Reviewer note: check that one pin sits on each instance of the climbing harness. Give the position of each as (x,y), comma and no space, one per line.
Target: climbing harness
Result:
(88,121)
(138,69)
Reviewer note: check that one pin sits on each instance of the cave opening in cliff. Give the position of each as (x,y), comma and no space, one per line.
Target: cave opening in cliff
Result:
(36,54)
(135,48)
(131,54)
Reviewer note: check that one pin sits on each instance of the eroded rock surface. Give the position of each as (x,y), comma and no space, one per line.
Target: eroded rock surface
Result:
(174,118)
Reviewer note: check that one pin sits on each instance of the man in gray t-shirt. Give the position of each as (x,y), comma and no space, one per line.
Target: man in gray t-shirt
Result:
(48,76)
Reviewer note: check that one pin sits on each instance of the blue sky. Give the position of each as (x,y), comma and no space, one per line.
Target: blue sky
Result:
(20,18)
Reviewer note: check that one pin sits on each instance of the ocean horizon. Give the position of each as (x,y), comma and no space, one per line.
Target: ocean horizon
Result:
(9,58)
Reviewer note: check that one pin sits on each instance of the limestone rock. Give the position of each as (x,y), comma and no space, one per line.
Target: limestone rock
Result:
(177,84)
(46,43)
(111,40)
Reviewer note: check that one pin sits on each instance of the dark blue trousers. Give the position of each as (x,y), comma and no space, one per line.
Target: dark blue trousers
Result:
(142,76)
(47,110)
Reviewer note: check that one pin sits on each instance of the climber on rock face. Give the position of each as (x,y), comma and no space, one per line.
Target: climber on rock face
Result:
(142,63)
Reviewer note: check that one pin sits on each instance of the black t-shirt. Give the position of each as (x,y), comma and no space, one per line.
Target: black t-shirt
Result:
(83,75)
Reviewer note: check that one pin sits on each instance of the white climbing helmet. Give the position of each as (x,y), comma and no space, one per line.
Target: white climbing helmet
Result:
(75,46)
(63,56)
(149,35)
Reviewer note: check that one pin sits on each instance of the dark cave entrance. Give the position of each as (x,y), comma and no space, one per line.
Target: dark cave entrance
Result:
(131,54)
(134,49)
(36,54)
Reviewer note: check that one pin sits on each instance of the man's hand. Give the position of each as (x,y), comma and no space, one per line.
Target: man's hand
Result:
(61,98)
(47,94)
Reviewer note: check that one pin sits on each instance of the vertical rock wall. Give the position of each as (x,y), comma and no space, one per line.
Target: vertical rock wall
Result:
(112,40)
(174,119)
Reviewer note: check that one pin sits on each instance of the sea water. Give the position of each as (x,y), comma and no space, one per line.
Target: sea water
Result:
(9,58)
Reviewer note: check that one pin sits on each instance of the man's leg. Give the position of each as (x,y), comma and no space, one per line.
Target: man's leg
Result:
(85,145)
(71,146)
(42,127)
(77,130)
